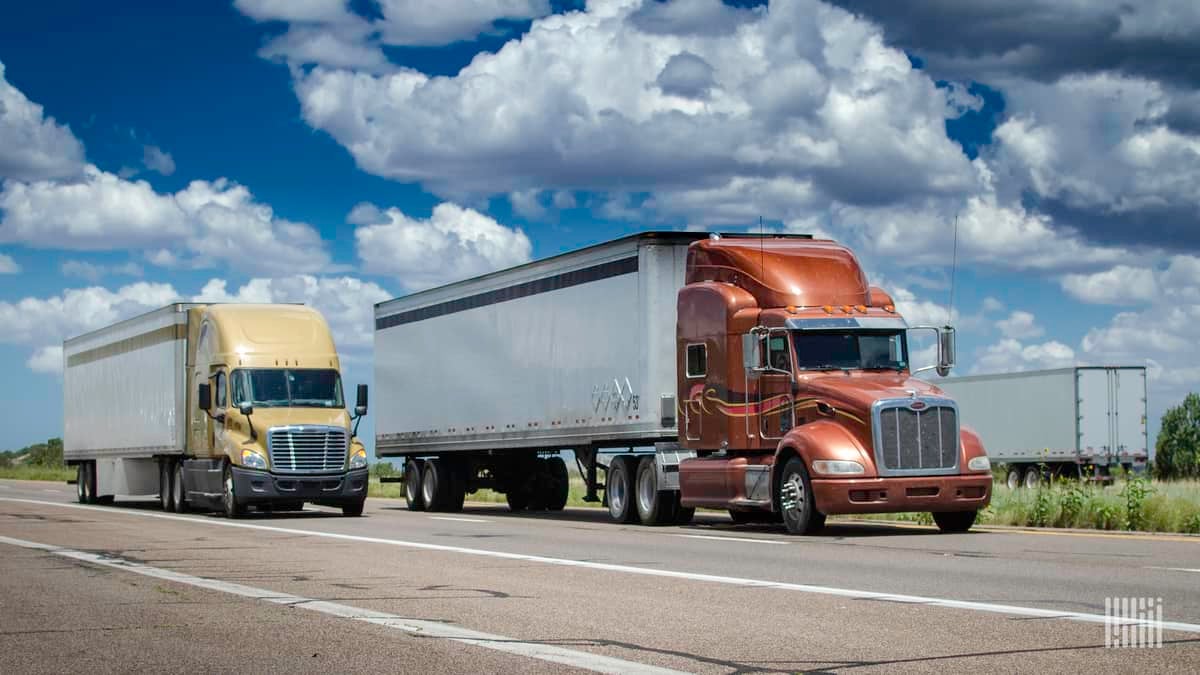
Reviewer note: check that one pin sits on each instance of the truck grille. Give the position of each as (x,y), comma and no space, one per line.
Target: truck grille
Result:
(916,437)
(307,449)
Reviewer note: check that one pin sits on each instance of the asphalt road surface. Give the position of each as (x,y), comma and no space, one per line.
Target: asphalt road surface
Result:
(128,588)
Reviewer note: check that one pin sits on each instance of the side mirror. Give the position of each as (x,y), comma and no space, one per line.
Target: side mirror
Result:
(946,360)
(246,408)
(360,408)
(205,396)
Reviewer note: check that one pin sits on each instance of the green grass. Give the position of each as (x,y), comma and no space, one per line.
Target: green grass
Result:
(1172,506)
(37,472)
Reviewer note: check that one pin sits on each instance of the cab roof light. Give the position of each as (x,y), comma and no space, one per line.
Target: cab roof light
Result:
(890,308)
(828,309)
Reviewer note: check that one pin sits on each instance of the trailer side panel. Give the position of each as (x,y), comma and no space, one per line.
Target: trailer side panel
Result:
(567,352)
(124,388)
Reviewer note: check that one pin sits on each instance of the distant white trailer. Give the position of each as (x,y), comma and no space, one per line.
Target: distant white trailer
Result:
(1082,421)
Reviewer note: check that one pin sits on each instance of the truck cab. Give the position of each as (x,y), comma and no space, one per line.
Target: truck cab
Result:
(797,395)
(271,418)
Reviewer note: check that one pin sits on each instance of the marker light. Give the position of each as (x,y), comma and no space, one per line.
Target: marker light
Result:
(828,309)
(890,308)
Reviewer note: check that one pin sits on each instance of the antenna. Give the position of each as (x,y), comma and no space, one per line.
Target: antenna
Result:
(953,271)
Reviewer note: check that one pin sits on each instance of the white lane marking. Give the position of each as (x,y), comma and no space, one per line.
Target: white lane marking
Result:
(1012,610)
(534,650)
(720,538)
(1174,569)
(53,492)
(462,520)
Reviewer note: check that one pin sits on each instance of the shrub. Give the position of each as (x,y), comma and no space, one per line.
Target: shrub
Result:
(1135,492)
(1177,453)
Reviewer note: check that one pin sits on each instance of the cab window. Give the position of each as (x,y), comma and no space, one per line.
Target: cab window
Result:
(220,389)
(697,360)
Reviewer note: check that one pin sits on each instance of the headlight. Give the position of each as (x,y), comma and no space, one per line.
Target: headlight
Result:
(837,466)
(253,460)
(359,459)
(981,463)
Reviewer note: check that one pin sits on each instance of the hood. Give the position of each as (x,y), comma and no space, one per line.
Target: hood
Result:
(265,418)
(857,391)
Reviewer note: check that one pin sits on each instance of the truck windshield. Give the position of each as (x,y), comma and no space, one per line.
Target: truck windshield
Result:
(858,350)
(283,388)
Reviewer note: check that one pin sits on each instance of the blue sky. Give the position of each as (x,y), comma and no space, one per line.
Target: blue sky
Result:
(341,153)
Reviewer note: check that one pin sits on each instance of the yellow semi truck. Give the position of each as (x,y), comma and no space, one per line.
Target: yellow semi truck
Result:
(213,406)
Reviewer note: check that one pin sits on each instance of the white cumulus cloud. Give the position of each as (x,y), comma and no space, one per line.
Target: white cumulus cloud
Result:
(1020,325)
(454,243)
(8,265)
(32,145)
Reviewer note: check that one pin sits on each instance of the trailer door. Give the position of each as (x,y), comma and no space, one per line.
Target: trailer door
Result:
(1094,395)
(1129,386)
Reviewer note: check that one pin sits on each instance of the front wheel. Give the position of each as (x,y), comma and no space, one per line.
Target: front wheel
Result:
(800,514)
(231,505)
(354,509)
(955,521)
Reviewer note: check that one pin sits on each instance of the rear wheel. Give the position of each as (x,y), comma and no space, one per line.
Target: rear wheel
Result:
(81,483)
(179,490)
(1013,478)
(955,521)
(435,484)
(412,485)
(165,476)
(800,514)
(230,503)
(558,485)
(1033,477)
(619,488)
(655,507)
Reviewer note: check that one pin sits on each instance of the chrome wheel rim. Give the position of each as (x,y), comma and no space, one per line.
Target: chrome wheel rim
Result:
(616,492)
(646,490)
(791,496)
(80,477)
(1032,479)
(1014,480)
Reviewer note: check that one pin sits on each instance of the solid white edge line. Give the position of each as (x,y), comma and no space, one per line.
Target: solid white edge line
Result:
(716,537)
(1173,569)
(461,520)
(1013,610)
(534,650)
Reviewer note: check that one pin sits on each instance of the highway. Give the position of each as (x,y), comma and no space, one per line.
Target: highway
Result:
(127,587)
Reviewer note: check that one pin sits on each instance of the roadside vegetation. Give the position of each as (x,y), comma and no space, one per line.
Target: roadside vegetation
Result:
(40,461)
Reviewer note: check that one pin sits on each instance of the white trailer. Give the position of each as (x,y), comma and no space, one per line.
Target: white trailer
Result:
(1082,421)
(580,355)
(125,400)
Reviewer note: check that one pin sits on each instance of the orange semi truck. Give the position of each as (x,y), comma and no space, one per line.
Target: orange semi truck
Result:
(762,375)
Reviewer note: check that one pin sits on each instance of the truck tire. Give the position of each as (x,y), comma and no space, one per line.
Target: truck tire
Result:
(955,521)
(1013,478)
(81,483)
(800,514)
(517,498)
(165,475)
(1033,477)
(179,503)
(435,484)
(412,485)
(654,506)
(231,505)
(354,509)
(620,489)
(558,484)
(90,483)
